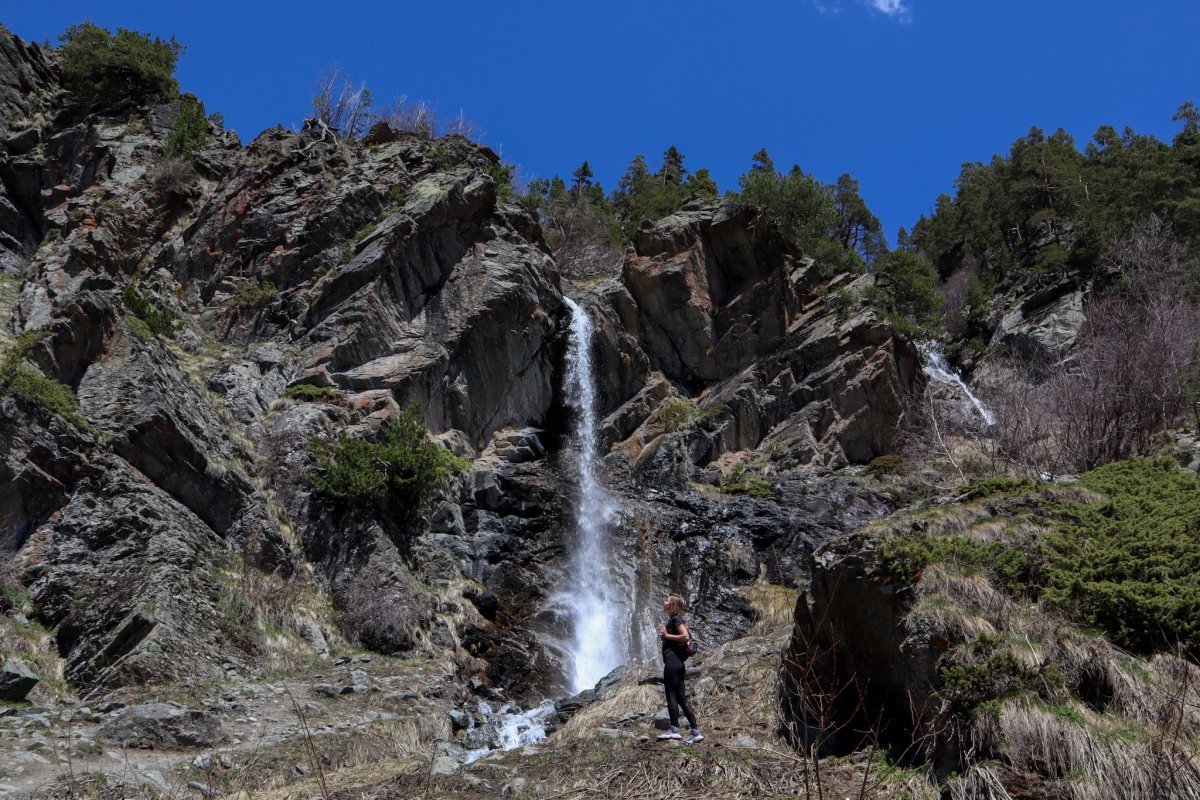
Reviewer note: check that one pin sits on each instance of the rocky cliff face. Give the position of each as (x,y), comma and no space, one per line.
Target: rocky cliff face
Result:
(391,272)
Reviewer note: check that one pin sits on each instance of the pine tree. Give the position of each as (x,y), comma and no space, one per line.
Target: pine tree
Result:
(672,171)
(761,162)
(581,178)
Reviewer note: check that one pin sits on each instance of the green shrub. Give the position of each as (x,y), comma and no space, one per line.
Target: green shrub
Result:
(139,329)
(400,464)
(841,302)
(19,377)
(309,393)
(974,676)
(1131,566)
(999,485)
(253,294)
(189,135)
(442,158)
(906,557)
(1121,556)
(158,319)
(910,283)
(365,231)
(678,413)
(396,197)
(101,68)
(502,176)
(740,480)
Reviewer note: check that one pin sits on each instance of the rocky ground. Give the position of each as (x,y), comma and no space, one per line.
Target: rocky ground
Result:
(377,728)
(179,739)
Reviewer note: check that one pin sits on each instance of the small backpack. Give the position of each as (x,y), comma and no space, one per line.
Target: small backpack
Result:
(693,645)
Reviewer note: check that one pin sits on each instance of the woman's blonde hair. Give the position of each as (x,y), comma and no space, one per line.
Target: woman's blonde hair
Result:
(675,604)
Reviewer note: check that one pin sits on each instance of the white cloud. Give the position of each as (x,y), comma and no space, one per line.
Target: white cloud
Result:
(896,9)
(892,8)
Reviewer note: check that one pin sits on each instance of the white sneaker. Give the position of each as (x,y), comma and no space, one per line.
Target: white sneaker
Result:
(670,733)
(696,736)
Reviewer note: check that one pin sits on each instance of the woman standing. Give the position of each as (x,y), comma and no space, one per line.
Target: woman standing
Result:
(675,638)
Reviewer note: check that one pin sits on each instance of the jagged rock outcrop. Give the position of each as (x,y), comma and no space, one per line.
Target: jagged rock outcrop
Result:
(723,310)
(853,668)
(129,579)
(26,74)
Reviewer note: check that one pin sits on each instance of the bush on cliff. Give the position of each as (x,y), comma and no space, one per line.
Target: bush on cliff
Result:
(381,614)
(17,376)
(158,319)
(399,463)
(101,68)
(909,283)
(189,133)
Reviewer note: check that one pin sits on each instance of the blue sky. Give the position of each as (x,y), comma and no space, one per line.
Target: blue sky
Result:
(897,92)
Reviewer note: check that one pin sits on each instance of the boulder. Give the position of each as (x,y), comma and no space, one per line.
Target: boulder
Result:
(16,680)
(161,726)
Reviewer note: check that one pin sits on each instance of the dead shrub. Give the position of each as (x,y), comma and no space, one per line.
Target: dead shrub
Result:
(173,180)
(382,617)
(582,239)
(1131,376)
(342,105)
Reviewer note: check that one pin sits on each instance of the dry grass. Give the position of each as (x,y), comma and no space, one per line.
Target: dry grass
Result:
(29,642)
(1120,727)
(774,606)
(631,700)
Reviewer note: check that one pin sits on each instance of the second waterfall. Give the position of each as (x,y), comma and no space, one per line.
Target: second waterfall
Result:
(589,595)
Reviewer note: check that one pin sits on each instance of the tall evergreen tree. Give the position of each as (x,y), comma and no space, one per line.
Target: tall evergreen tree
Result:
(581,178)
(672,171)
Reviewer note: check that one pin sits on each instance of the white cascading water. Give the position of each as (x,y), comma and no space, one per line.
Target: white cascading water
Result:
(939,371)
(589,596)
(508,730)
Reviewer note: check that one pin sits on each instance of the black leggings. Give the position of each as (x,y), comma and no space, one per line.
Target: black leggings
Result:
(674,673)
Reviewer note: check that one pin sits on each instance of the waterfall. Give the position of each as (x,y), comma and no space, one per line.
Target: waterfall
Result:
(589,594)
(939,371)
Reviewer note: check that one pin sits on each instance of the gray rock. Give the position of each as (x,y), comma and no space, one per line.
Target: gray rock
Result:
(155,777)
(16,680)
(514,788)
(615,733)
(1042,324)
(662,720)
(311,632)
(161,726)
(445,765)
(612,681)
